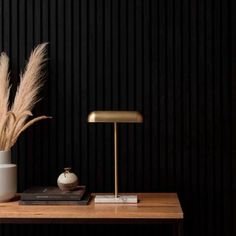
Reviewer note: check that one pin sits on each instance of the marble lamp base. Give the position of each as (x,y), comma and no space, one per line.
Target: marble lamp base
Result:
(124,199)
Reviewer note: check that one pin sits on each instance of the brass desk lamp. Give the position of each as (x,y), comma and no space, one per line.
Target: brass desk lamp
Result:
(115,117)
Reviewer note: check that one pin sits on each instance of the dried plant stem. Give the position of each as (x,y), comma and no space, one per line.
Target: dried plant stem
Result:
(4,128)
(13,130)
(28,124)
(13,120)
(4,87)
(30,83)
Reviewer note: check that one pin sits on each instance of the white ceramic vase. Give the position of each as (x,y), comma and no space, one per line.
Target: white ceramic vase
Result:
(8,177)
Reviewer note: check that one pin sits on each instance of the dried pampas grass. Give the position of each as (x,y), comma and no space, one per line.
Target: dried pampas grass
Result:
(13,120)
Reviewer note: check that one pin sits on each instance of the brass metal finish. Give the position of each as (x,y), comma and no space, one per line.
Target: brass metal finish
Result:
(115,160)
(115,116)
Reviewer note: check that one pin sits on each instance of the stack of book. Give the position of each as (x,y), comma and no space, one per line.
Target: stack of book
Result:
(54,196)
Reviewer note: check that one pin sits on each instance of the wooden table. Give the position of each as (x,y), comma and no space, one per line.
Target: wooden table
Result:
(153,208)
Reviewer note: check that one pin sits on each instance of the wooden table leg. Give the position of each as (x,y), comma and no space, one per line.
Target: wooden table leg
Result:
(178,229)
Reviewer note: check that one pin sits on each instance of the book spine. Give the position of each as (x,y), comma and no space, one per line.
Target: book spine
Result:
(50,198)
(23,202)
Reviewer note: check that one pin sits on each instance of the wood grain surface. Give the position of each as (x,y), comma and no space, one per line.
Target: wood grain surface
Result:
(151,206)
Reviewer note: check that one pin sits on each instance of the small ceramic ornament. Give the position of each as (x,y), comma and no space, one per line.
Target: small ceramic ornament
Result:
(67,180)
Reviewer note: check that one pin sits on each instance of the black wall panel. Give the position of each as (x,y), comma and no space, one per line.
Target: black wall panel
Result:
(173,60)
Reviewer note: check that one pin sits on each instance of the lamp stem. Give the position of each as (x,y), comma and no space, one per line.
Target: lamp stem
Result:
(115,160)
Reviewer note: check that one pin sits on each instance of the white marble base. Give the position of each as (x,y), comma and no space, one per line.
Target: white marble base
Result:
(120,199)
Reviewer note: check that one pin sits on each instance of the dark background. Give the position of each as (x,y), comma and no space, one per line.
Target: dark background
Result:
(172,60)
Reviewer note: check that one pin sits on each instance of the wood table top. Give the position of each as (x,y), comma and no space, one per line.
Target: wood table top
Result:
(151,206)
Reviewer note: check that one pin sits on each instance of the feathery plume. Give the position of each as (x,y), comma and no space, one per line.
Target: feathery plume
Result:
(4,88)
(14,121)
(30,83)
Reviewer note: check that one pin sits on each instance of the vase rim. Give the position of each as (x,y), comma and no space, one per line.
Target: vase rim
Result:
(5,150)
(3,166)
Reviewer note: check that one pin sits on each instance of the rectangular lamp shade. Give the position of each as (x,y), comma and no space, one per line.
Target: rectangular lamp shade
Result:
(115,117)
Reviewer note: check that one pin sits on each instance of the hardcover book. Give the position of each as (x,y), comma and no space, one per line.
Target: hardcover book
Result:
(52,193)
(84,201)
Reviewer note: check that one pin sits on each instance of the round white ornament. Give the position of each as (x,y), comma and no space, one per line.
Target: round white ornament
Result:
(67,180)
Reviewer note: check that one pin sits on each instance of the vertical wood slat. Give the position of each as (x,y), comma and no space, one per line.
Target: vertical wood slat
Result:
(155,118)
(123,163)
(232,6)
(218,108)
(147,102)
(172,60)
(60,21)
(162,92)
(84,84)
(76,97)
(131,93)
(99,9)
(45,16)
(108,93)
(138,86)
(53,70)
(37,37)
(91,93)
(69,83)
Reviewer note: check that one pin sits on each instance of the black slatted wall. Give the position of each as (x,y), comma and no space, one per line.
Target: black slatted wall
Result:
(173,60)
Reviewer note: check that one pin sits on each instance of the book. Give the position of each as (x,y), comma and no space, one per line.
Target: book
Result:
(52,193)
(84,201)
